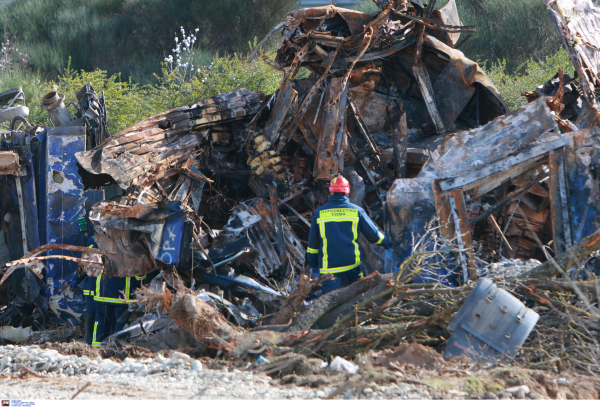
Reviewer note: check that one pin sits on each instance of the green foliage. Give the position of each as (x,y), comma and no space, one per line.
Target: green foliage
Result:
(128,103)
(130,36)
(367,6)
(34,87)
(527,76)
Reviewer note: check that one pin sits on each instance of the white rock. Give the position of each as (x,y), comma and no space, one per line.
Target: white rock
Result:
(108,366)
(159,359)
(515,389)
(196,365)
(180,356)
(141,373)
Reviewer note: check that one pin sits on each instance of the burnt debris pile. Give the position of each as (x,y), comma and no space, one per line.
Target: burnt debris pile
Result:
(213,201)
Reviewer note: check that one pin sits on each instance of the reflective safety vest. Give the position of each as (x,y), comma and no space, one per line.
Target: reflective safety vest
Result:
(116,290)
(333,240)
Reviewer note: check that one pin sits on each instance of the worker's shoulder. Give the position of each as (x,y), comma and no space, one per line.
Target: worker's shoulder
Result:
(334,206)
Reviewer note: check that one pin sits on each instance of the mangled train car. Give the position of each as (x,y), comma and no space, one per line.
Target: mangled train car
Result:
(217,197)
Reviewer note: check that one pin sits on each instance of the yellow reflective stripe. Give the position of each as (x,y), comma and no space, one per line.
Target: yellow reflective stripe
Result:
(355,241)
(98,284)
(313,251)
(338,213)
(337,220)
(94,334)
(86,292)
(381,237)
(127,287)
(324,238)
(338,269)
(140,278)
(111,300)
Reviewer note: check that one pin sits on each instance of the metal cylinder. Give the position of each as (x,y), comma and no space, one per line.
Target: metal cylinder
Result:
(53,104)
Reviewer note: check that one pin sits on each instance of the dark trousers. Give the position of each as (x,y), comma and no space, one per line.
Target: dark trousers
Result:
(90,317)
(343,279)
(107,315)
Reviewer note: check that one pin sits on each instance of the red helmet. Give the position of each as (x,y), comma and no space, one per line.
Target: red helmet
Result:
(339,184)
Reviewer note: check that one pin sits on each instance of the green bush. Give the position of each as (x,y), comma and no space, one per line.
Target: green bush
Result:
(527,76)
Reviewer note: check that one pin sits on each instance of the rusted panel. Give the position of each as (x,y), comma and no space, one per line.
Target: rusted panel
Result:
(329,161)
(409,207)
(373,108)
(465,151)
(9,163)
(503,167)
(579,26)
(165,140)
(525,170)
(400,140)
(447,15)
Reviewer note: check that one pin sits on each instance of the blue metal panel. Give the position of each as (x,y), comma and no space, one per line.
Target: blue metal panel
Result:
(172,239)
(64,203)
(30,200)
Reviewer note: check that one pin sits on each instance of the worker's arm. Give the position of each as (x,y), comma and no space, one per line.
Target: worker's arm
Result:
(371,231)
(314,243)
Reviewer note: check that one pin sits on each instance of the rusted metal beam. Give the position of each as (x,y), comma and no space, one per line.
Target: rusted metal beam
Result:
(456,199)
(328,161)
(428,96)
(560,229)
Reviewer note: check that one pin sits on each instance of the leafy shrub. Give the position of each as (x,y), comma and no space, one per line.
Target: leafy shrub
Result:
(527,76)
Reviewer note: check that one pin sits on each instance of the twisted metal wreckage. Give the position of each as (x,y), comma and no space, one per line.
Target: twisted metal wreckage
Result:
(221,192)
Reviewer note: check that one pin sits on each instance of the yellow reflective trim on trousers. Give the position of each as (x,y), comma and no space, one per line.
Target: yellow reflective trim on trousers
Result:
(312,251)
(381,237)
(140,278)
(324,239)
(94,343)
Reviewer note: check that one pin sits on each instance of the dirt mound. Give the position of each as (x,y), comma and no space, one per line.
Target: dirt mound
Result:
(73,348)
(407,354)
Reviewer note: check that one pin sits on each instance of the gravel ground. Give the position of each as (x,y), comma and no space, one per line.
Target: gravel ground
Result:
(180,377)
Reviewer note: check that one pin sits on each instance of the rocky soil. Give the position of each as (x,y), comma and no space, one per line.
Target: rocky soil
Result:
(35,373)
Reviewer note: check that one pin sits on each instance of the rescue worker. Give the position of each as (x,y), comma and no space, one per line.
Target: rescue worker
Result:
(111,297)
(333,240)
(89,287)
